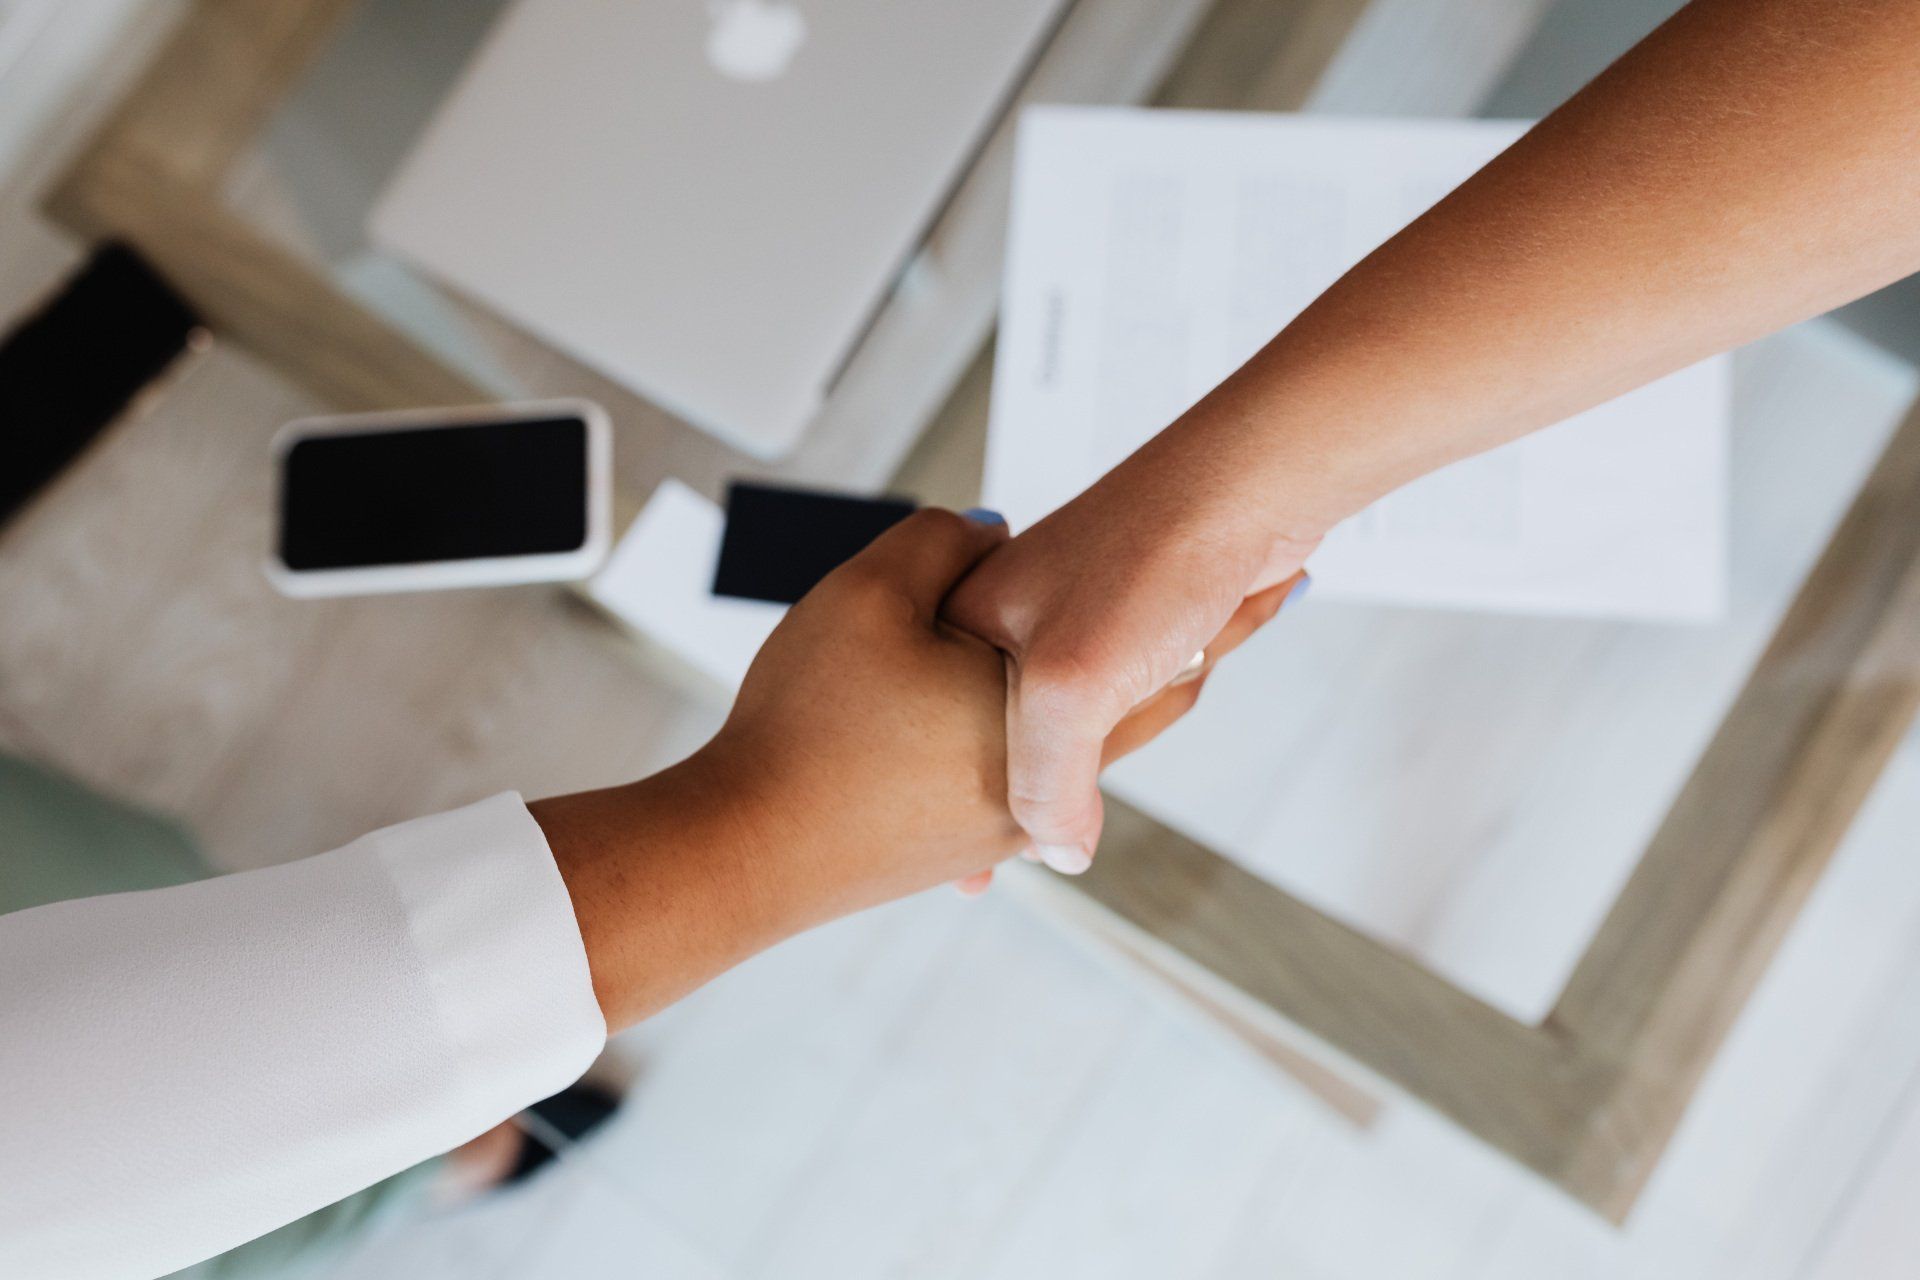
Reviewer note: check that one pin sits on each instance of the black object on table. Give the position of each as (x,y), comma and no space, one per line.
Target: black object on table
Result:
(70,368)
(779,542)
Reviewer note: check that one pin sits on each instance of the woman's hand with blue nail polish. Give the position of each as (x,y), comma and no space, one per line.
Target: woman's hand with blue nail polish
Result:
(1100,609)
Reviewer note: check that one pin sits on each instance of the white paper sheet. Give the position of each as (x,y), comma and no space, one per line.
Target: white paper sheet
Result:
(1152,252)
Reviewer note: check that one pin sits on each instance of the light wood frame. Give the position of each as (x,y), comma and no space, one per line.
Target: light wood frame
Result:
(1590,1096)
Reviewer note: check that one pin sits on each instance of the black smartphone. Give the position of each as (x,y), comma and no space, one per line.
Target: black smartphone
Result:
(442,498)
(779,541)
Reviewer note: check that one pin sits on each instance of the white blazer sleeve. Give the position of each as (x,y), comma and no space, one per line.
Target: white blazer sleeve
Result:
(184,1069)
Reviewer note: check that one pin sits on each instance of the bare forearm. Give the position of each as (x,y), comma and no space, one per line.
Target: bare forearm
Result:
(670,885)
(1748,165)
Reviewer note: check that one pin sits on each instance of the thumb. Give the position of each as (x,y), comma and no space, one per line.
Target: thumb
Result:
(924,555)
(1054,740)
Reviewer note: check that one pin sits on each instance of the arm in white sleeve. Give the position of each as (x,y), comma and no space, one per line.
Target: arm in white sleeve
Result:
(184,1069)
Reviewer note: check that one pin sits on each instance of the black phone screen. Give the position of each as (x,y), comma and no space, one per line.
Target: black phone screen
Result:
(415,495)
(779,542)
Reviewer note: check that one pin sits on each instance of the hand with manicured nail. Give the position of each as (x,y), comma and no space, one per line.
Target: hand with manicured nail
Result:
(1159,711)
(865,756)
(1114,605)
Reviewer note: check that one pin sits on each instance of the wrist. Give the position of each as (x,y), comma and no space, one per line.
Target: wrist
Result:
(1301,437)
(673,880)
(1247,518)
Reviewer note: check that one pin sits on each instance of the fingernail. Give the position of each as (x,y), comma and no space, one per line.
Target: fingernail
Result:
(1299,589)
(1030,853)
(984,515)
(1067,859)
(969,889)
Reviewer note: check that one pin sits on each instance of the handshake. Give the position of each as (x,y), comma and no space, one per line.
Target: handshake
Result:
(866,758)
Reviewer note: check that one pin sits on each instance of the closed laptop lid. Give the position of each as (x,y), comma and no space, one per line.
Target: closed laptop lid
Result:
(705,200)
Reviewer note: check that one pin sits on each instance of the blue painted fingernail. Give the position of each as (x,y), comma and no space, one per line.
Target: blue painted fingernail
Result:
(1299,589)
(984,515)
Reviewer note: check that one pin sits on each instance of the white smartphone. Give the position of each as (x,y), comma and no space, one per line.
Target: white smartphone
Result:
(429,498)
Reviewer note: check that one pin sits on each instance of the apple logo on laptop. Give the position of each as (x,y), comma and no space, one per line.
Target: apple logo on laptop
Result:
(754,39)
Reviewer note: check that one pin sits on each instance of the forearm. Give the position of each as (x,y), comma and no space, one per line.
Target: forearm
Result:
(1748,165)
(671,884)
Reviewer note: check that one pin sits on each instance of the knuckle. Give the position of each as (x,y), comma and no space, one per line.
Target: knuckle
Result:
(1044,817)
(1058,820)
(1053,799)
(1030,801)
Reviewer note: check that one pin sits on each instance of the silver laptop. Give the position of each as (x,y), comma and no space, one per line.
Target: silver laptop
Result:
(706,199)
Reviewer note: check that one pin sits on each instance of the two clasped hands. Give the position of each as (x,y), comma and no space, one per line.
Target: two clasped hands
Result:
(867,757)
